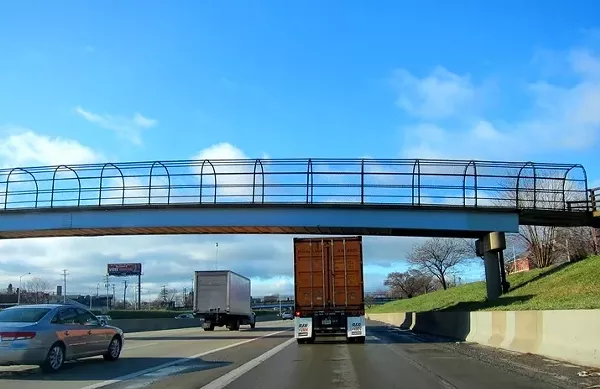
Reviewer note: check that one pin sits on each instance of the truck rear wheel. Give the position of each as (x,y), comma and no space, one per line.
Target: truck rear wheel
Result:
(234,325)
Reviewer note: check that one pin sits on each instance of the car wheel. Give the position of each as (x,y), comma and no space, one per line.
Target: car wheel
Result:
(55,359)
(114,350)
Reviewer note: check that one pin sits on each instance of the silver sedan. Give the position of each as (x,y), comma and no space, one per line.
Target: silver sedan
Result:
(48,335)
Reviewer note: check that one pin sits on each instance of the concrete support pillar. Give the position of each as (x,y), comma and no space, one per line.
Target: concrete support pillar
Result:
(492,275)
(489,247)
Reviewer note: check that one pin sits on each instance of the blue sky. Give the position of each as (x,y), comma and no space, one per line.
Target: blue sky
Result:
(89,81)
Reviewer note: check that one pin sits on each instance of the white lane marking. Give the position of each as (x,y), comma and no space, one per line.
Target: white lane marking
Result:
(155,376)
(233,375)
(139,346)
(172,363)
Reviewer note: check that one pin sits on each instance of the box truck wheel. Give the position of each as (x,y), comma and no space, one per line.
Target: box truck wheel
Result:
(359,339)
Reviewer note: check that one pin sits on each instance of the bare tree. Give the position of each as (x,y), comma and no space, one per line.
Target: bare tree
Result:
(369,301)
(439,257)
(575,243)
(540,192)
(37,286)
(409,284)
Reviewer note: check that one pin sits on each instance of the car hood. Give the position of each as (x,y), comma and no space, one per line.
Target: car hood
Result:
(120,331)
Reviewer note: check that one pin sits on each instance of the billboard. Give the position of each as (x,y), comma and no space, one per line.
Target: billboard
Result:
(124,269)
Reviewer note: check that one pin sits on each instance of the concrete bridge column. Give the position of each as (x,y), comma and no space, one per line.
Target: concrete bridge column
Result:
(489,247)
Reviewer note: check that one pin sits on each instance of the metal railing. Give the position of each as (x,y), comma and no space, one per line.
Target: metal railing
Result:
(516,185)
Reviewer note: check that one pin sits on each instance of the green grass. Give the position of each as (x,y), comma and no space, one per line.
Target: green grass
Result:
(567,286)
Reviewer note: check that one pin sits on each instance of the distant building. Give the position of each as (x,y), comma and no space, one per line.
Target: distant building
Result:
(523,263)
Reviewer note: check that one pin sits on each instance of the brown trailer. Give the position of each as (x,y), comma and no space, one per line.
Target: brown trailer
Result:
(329,288)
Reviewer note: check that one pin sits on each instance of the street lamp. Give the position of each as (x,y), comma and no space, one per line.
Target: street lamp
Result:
(19,292)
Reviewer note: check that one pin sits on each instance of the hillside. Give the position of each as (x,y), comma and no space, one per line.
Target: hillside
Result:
(566,286)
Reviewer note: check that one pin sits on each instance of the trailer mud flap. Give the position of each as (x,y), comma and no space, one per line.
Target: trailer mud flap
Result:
(303,327)
(356,326)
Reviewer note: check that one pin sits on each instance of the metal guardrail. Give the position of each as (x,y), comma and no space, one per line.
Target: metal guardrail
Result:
(515,185)
(592,203)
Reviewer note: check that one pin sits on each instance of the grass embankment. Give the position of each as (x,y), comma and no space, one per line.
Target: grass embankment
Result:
(566,286)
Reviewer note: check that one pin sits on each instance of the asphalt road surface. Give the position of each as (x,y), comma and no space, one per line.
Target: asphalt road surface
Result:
(269,358)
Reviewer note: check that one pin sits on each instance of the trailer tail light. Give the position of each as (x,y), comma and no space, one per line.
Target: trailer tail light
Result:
(10,336)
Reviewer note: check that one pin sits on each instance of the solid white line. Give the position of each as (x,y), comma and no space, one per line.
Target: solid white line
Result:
(139,346)
(233,375)
(178,361)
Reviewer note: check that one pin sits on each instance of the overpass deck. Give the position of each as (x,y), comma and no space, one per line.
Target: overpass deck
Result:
(299,196)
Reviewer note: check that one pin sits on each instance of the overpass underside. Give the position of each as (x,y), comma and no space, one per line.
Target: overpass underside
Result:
(299,219)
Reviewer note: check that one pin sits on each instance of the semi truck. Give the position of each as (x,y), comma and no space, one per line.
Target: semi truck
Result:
(329,289)
(222,298)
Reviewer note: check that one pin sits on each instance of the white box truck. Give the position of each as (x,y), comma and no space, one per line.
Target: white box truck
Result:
(222,298)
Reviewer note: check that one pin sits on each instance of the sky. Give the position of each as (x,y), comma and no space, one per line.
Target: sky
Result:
(84,82)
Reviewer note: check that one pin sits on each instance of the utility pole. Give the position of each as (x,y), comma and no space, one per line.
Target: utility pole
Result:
(98,290)
(20,286)
(125,293)
(106,283)
(65,274)
(114,294)
(217,256)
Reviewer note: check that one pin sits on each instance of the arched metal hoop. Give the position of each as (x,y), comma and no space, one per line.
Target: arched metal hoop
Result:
(168,182)
(37,189)
(309,181)
(257,163)
(102,177)
(54,179)
(465,182)
(417,170)
(201,179)
(534,184)
(564,189)
(362,181)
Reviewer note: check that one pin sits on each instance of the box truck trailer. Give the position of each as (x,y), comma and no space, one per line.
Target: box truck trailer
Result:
(329,290)
(222,298)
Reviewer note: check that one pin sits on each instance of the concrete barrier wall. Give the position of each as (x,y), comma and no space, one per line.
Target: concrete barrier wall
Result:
(570,335)
(141,325)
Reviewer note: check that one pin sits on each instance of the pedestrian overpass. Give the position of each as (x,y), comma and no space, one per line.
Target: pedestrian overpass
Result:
(394,197)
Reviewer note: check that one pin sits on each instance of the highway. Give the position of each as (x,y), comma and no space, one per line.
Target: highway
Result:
(269,358)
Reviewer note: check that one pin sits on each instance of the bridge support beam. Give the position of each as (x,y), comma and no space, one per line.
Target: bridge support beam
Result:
(490,247)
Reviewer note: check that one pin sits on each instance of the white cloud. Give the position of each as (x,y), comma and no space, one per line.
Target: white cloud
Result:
(129,128)
(563,117)
(171,260)
(23,147)
(438,95)
(234,180)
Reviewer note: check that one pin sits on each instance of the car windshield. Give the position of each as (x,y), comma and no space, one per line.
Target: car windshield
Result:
(23,315)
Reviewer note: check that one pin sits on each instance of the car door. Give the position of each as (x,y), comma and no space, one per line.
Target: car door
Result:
(96,341)
(70,332)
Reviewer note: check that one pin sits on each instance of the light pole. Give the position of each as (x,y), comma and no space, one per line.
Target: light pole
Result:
(19,292)
(217,256)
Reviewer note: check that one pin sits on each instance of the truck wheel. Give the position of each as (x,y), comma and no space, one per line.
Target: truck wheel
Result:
(360,339)
(301,341)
